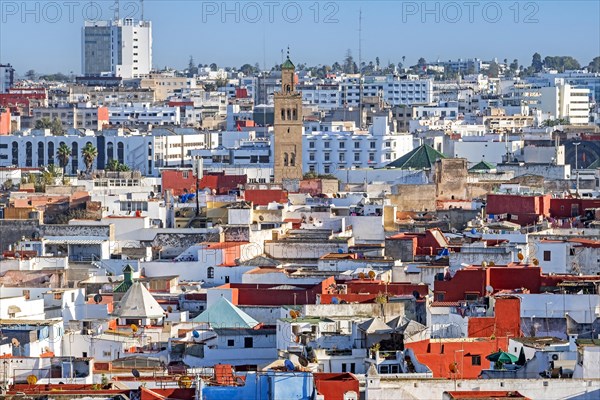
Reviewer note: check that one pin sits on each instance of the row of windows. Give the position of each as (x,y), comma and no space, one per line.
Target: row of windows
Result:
(342,145)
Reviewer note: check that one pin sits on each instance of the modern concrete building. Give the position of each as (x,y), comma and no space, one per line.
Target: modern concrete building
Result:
(7,77)
(121,48)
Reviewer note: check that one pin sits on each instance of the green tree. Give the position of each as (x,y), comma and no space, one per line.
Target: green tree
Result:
(56,127)
(561,63)
(494,70)
(113,165)
(63,153)
(89,154)
(30,75)
(514,66)
(350,66)
(192,68)
(536,63)
(594,65)
(44,123)
(213,67)
(247,69)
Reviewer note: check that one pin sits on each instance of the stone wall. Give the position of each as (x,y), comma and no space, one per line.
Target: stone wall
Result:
(12,230)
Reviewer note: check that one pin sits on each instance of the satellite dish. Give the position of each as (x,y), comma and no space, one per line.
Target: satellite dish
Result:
(97,298)
(195,334)
(334,300)
(289,365)
(32,379)
(135,373)
(520,256)
(110,279)
(15,342)
(303,361)
(134,328)
(372,274)
(492,264)
(484,264)
(361,275)
(536,262)
(185,382)
(261,218)
(340,251)
(489,289)
(452,368)
(183,289)
(169,309)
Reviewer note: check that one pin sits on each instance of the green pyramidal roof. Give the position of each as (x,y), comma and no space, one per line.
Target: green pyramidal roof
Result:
(595,164)
(288,64)
(423,157)
(223,314)
(482,166)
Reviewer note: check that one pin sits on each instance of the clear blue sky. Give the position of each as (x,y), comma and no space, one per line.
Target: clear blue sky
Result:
(47,38)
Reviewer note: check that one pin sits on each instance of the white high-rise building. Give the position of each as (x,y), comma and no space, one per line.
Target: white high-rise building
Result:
(565,101)
(7,77)
(121,48)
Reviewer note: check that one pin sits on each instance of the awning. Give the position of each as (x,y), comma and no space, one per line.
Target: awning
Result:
(74,240)
(13,309)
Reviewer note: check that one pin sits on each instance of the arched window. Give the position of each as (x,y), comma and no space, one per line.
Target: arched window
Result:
(50,153)
(293,159)
(40,154)
(285,159)
(283,114)
(121,152)
(74,157)
(210,272)
(289,114)
(288,88)
(28,154)
(15,153)
(110,151)
(294,114)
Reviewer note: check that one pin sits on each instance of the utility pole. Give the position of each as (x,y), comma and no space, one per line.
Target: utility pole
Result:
(360,72)
(576,144)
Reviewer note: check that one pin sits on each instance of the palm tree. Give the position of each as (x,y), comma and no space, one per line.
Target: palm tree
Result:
(89,154)
(113,165)
(63,154)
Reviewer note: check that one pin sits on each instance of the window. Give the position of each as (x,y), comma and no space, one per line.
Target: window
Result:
(547,255)
(344,367)
(371,157)
(311,144)
(342,157)
(327,144)
(475,360)
(471,296)
(186,174)
(248,342)
(106,354)
(372,145)
(210,273)
(326,156)
(356,156)
(357,145)
(311,156)
(571,251)
(439,297)
(342,145)
(326,169)
(57,296)
(230,342)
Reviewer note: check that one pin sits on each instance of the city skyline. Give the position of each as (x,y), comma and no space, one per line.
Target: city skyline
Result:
(390,30)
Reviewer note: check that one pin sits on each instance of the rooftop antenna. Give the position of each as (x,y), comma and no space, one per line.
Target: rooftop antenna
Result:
(142,10)
(116,10)
(360,76)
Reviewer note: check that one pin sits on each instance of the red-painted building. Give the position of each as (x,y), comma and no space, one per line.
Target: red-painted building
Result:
(427,243)
(184,181)
(457,358)
(505,322)
(4,121)
(567,208)
(264,197)
(367,291)
(21,100)
(336,386)
(520,209)
(275,295)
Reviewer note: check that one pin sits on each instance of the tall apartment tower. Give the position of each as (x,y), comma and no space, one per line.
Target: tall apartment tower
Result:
(288,127)
(121,48)
(7,77)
